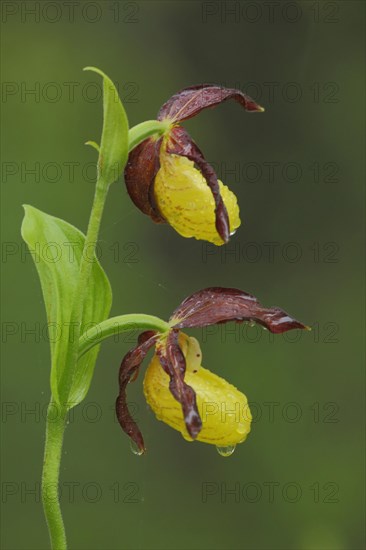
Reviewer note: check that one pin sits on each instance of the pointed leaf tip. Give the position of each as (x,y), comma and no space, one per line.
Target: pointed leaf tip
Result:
(93,144)
(95,70)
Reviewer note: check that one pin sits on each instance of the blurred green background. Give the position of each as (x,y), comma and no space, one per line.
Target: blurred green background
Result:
(297,172)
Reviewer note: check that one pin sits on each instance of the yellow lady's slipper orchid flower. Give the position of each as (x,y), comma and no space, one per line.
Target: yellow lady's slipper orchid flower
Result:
(182,393)
(169,178)
(223,409)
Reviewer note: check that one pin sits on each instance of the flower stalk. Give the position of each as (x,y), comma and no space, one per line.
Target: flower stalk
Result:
(144,130)
(118,325)
(55,428)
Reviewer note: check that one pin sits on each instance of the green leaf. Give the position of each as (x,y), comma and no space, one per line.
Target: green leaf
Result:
(114,143)
(57,248)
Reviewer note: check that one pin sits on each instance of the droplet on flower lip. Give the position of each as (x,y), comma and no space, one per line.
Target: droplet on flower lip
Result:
(226,451)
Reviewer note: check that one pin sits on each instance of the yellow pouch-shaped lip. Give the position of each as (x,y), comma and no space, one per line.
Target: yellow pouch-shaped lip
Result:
(186,202)
(224,410)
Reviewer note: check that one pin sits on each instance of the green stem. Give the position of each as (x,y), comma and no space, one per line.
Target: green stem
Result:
(117,325)
(85,269)
(56,420)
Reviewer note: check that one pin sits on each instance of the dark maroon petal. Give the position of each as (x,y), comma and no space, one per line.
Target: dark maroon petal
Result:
(181,143)
(191,101)
(220,305)
(141,169)
(173,362)
(127,373)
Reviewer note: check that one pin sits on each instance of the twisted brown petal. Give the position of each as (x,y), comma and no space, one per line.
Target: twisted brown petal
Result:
(180,143)
(141,169)
(220,305)
(173,362)
(128,372)
(191,101)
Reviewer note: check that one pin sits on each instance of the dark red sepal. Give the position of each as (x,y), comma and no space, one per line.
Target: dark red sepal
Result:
(180,143)
(173,362)
(220,305)
(189,102)
(142,166)
(128,372)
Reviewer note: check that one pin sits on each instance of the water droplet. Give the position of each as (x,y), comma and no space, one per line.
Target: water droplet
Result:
(135,449)
(226,451)
(243,428)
